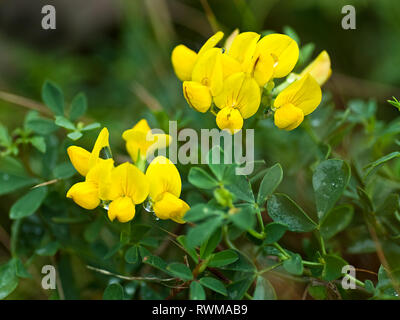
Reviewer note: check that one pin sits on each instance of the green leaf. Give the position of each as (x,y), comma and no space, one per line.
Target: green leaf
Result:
(91,126)
(197,291)
(329,180)
(39,143)
(93,230)
(75,135)
(216,165)
(49,249)
(374,166)
(207,248)
(63,122)
(239,185)
(114,291)
(180,270)
(53,97)
(284,210)
(5,139)
(332,267)
(294,265)
(191,251)
(269,183)
(10,182)
(41,126)
(274,232)
(242,264)
(264,290)
(237,289)
(152,260)
(318,292)
(64,170)
(78,106)
(223,258)
(214,284)
(244,218)
(201,179)
(203,231)
(21,271)
(369,286)
(8,278)
(138,231)
(199,212)
(291,33)
(336,221)
(29,203)
(132,255)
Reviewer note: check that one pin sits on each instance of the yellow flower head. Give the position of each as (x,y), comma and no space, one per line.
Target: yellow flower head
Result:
(239,99)
(83,160)
(207,80)
(283,49)
(127,186)
(320,68)
(296,101)
(89,193)
(165,190)
(184,59)
(140,141)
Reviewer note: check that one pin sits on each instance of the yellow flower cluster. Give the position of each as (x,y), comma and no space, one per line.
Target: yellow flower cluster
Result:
(233,78)
(120,188)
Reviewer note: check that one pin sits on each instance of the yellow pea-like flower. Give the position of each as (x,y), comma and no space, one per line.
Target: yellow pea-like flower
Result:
(140,140)
(246,51)
(296,101)
(283,49)
(207,80)
(88,194)
(83,160)
(184,59)
(165,190)
(241,93)
(320,68)
(127,187)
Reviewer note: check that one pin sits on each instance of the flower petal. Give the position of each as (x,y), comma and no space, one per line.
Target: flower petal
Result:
(320,68)
(101,142)
(211,42)
(229,65)
(283,49)
(85,194)
(243,48)
(230,119)
(170,207)
(121,208)
(79,158)
(163,176)
(183,60)
(242,92)
(262,67)
(197,96)
(128,180)
(288,117)
(208,70)
(304,93)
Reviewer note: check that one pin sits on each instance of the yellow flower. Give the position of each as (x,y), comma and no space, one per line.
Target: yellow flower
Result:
(165,190)
(320,68)
(83,160)
(296,101)
(127,187)
(184,59)
(239,99)
(207,80)
(88,194)
(283,49)
(140,141)
(274,56)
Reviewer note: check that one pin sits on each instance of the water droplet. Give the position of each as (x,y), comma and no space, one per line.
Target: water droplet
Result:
(148,206)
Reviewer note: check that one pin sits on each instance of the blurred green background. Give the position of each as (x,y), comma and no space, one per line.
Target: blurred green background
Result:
(118,53)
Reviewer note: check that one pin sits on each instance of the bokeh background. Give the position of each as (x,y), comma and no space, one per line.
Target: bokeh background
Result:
(118,53)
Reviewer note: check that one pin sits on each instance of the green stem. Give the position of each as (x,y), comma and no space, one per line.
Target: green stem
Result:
(321,241)
(260,219)
(360,283)
(283,251)
(226,238)
(269,268)
(256,234)
(311,263)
